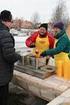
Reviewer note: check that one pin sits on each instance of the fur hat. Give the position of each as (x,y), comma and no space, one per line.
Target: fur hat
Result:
(45,25)
(5,15)
(59,25)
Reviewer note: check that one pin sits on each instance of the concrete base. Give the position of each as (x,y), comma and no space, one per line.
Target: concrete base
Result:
(47,89)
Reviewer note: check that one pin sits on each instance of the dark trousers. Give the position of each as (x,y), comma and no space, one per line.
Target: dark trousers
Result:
(4,92)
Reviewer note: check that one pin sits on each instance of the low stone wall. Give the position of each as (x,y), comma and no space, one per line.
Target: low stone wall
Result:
(47,89)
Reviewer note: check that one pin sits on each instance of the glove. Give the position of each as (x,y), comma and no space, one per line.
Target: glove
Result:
(20,59)
(32,45)
(43,54)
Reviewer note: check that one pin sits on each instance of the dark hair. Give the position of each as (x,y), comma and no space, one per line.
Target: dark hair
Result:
(59,25)
(45,25)
(5,15)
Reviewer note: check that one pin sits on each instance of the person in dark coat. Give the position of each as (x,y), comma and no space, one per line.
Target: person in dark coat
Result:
(8,56)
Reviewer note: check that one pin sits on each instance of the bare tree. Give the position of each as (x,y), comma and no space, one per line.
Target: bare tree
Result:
(35,19)
(60,13)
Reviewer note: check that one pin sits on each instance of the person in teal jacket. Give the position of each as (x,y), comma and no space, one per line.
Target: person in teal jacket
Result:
(60,50)
(62,43)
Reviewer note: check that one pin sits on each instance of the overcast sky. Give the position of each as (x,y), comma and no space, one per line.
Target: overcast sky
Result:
(26,8)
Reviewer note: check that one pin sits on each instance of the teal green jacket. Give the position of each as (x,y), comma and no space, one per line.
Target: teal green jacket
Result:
(62,45)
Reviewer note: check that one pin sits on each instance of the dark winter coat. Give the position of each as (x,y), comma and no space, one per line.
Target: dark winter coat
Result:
(7,55)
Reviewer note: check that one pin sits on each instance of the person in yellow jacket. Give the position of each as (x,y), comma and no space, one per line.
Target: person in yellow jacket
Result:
(40,40)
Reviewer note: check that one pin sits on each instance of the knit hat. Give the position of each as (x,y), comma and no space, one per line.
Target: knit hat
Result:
(45,25)
(5,15)
(59,25)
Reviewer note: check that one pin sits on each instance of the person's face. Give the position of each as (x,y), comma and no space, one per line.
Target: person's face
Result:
(56,31)
(42,30)
(9,24)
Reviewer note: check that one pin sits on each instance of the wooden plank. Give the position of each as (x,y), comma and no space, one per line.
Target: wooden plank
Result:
(63,99)
(47,89)
(42,73)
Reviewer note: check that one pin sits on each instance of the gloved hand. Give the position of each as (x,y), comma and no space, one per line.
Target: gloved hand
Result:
(43,54)
(32,45)
(20,59)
